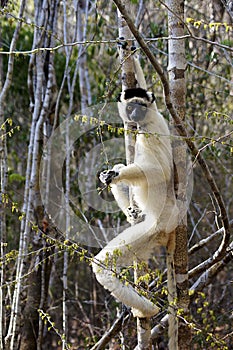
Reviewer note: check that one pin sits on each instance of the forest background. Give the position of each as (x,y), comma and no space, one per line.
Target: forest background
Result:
(56,59)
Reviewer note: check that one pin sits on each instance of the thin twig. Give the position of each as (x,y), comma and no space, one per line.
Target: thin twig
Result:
(113,330)
(111,41)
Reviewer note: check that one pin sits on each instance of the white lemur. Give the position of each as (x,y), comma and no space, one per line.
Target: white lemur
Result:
(150,179)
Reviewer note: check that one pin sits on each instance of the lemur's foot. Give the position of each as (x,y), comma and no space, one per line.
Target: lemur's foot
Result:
(134,215)
(133,212)
(107,176)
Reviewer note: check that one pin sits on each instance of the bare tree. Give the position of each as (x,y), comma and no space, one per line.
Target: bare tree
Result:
(5,85)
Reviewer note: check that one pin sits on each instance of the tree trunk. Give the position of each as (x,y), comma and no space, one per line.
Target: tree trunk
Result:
(129,81)
(30,313)
(176,70)
(3,186)
(4,87)
(42,78)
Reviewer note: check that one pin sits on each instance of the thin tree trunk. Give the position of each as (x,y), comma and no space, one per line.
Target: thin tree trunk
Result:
(3,179)
(129,81)
(82,16)
(3,199)
(81,71)
(66,204)
(176,71)
(4,89)
(42,84)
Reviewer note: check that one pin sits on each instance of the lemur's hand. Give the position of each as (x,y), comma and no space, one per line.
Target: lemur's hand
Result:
(107,176)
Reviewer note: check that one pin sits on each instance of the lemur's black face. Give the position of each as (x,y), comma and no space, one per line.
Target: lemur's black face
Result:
(136,111)
(134,104)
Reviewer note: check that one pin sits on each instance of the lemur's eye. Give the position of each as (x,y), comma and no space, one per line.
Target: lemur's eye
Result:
(143,108)
(129,108)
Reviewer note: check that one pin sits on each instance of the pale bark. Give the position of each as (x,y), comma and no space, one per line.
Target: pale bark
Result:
(4,87)
(41,92)
(3,184)
(80,72)
(176,71)
(207,276)
(228,4)
(66,204)
(82,17)
(203,242)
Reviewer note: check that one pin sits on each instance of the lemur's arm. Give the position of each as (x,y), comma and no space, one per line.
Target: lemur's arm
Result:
(141,81)
(130,174)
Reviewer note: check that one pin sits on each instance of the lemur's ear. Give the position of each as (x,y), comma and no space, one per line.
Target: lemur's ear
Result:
(136,92)
(151,96)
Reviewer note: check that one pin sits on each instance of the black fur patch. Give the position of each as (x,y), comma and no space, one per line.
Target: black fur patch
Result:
(153,97)
(119,97)
(137,92)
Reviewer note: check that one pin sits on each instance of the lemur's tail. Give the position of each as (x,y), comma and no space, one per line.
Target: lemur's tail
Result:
(111,280)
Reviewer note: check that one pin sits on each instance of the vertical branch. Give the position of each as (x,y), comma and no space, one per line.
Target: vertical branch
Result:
(129,81)
(67,191)
(80,30)
(3,184)
(176,72)
(81,36)
(66,255)
(41,85)
(4,88)
(42,98)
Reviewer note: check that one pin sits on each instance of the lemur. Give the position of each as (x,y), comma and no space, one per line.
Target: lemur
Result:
(150,178)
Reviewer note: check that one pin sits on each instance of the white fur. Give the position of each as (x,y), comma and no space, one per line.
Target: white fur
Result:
(150,179)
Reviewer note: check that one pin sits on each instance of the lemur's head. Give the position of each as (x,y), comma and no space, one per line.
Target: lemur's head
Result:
(134,104)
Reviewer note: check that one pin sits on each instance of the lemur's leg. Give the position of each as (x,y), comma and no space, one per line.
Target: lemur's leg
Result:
(121,192)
